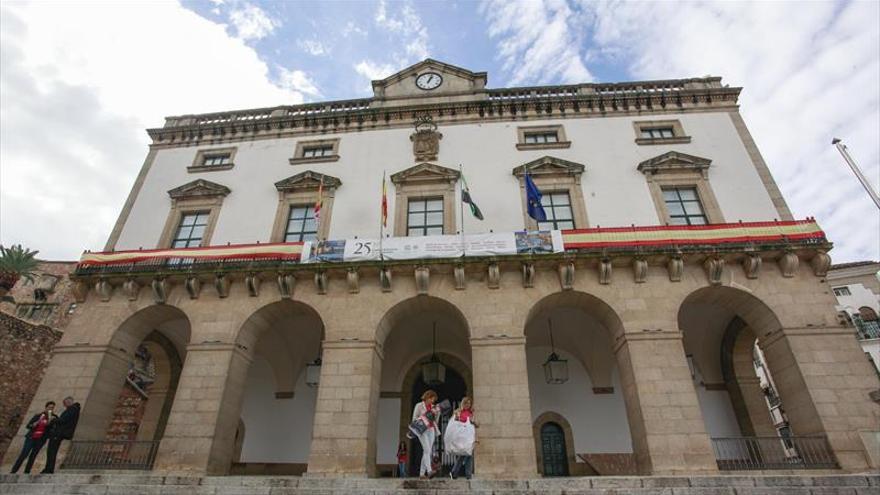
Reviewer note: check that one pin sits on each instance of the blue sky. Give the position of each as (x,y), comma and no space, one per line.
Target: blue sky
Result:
(81,81)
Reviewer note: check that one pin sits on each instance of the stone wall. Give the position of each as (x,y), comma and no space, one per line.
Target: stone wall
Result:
(25,351)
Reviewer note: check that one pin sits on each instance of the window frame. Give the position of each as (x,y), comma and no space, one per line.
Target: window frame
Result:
(302,189)
(424,180)
(675,169)
(199,161)
(196,196)
(425,226)
(544,130)
(309,215)
(554,175)
(678,134)
(299,154)
(552,206)
(175,237)
(685,215)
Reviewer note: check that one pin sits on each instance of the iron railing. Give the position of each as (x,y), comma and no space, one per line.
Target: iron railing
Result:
(759,453)
(111,454)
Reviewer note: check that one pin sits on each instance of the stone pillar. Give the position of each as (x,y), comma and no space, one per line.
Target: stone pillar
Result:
(344,432)
(669,436)
(824,382)
(200,435)
(506,447)
(750,407)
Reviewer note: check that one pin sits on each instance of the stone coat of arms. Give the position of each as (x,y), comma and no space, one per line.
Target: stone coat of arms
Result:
(426,140)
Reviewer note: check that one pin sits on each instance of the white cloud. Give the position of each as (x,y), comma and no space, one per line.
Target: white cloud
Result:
(372,70)
(538,41)
(252,22)
(352,28)
(78,86)
(313,47)
(406,29)
(810,72)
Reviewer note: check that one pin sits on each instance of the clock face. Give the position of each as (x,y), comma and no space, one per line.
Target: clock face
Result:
(429,80)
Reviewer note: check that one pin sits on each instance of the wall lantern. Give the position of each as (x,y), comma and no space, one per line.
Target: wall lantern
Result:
(555,369)
(433,372)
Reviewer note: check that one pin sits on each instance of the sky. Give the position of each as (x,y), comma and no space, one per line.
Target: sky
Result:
(81,81)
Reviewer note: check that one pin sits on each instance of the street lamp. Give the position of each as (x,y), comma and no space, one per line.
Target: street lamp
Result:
(555,368)
(433,372)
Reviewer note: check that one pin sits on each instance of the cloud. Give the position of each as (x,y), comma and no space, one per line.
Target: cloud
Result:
(78,86)
(352,28)
(810,72)
(313,47)
(405,29)
(372,70)
(538,42)
(252,22)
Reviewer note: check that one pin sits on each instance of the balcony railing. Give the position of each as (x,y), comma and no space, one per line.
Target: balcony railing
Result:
(768,453)
(111,454)
(867,329)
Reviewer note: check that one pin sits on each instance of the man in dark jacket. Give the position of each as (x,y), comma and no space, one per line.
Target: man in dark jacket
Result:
(62,429)
(37,433)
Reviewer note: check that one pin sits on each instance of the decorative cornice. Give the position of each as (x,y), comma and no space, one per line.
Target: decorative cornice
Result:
(549,165)
(199,188)
(674,160)
(425,172)
(307,180)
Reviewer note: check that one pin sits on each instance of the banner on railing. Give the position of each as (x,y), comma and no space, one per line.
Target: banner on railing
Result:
(433,246)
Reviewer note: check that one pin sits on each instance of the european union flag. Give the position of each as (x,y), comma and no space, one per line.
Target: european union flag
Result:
(533,200)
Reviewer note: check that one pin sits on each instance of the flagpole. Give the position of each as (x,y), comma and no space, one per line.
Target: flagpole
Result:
(461,208)
(382,218)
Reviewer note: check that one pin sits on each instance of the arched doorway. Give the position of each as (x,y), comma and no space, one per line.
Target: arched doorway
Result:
(411,334)
(453,388)
(277,403)
(591,399)
(554,454)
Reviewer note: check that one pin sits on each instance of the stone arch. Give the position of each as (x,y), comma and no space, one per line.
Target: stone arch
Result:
(168,321)
(741,380)
(450,361)
(553,417)
(416,305)
(169,365)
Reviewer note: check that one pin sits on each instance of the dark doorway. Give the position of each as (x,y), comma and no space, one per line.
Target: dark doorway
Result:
(553,450)
(454,388)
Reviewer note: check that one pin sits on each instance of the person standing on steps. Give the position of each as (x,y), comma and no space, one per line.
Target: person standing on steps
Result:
(61,429)
(428,413)
(464,463)
(402,458)
(35,438)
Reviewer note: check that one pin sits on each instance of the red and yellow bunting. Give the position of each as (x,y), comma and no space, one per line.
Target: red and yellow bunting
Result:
(279,251)
(685,235)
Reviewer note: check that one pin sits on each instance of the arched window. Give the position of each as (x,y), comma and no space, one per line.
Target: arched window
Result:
(553,450)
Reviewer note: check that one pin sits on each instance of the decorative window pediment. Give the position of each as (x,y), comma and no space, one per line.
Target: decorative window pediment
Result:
(674,161)
(550,166)
(199,188)
(425,173)
(306,181)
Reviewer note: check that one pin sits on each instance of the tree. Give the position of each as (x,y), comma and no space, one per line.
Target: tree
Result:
(16,263)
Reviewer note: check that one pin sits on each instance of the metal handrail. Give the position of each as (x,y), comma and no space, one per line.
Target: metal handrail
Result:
(768,453)
(111,454)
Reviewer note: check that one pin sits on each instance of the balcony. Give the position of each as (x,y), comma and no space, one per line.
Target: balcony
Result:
(771,453)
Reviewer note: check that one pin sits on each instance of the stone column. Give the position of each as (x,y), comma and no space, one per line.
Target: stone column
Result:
(344,432)
(669,436)
(506,447)
(824,382)
(200,435)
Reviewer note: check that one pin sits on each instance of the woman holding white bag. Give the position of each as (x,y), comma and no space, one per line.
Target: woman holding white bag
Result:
(460,439)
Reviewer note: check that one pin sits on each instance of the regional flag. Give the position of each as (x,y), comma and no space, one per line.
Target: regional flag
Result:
(467,199)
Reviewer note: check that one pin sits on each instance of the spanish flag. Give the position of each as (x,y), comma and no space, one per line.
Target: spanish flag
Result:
(319,204)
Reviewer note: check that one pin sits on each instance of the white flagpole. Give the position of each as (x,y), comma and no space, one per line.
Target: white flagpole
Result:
(461,208)
(856,170)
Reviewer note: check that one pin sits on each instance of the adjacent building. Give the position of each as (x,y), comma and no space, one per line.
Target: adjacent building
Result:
(857,289)
(282,314)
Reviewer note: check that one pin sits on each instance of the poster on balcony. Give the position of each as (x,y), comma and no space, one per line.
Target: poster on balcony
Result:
(433,246)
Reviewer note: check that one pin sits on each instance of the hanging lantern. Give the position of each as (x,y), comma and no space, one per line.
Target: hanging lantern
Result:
(313,373)
(555,368)
(433,372)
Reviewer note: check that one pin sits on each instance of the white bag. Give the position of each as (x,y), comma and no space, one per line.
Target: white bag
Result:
(459,437)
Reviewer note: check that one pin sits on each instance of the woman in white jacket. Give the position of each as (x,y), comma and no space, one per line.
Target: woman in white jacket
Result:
(429,412)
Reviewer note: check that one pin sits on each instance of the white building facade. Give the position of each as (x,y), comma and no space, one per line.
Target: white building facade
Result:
(655,320)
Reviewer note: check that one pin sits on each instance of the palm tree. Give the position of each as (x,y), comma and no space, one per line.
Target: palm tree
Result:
(16,263)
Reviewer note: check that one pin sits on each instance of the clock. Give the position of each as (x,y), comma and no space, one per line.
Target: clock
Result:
(429,80)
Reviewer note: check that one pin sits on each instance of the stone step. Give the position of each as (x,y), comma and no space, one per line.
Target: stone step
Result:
(147,484)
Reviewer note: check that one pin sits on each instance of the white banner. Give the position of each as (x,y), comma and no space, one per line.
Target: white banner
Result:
(435,246)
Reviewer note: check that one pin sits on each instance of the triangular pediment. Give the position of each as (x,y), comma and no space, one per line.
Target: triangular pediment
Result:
(425,172)
(306,181)
(550,165)
(674,160)
(455,80)
(199,188)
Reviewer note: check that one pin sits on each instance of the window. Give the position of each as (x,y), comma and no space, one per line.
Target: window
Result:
(557,206)
(322,150)
(217,160)
(658,132)
(541,137)
(212,160)
(841,291)
(191,230)
(37,312)
(424,217)
(684,206)
(301,225)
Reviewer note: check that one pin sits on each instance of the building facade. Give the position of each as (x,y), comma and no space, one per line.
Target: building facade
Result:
(857,289)
(276,347)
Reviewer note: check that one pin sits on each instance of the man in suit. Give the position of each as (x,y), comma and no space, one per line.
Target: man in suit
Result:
(62,429)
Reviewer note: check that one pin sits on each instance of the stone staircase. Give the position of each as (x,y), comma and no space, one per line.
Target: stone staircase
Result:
(147,484)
